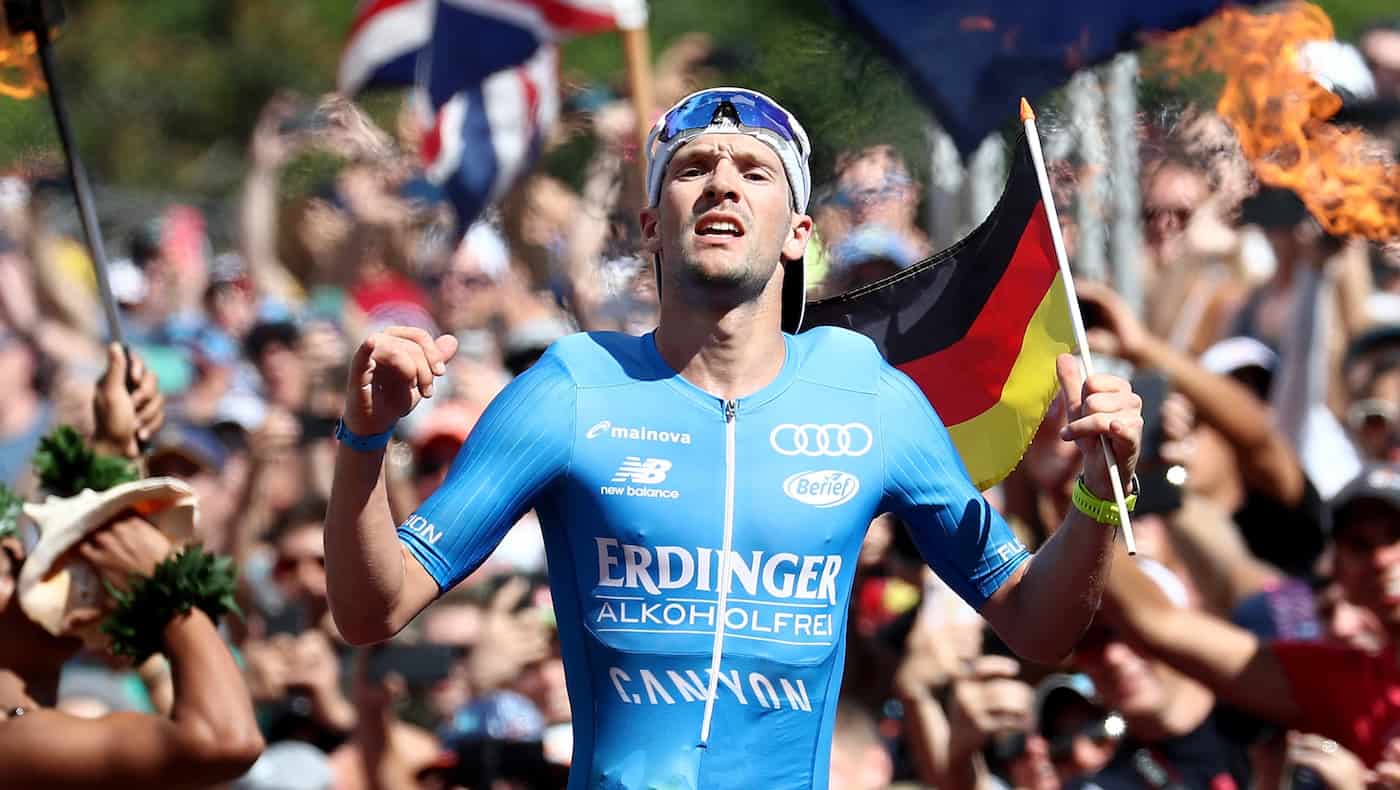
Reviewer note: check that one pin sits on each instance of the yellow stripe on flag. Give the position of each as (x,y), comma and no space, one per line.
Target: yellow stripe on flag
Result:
(992,443)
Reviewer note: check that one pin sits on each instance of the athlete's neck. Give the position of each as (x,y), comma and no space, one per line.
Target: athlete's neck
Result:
(730,355)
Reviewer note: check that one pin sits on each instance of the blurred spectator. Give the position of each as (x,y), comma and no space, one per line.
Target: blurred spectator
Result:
(1171,725)
(868,254)
(858,757)
(1081,735)
(466,294)
(1380,45)
(28,414)
(1338,692)
(299,565)
(874,187)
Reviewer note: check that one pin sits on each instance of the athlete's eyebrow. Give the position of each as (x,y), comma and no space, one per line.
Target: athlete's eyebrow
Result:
(708,152)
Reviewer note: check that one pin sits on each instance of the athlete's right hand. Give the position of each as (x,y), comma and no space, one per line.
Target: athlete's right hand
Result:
(392,370)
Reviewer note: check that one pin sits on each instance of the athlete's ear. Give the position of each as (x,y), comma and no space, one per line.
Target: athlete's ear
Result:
(796,242)
(651,233)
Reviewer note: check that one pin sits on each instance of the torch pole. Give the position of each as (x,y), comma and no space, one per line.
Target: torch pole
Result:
(82,191)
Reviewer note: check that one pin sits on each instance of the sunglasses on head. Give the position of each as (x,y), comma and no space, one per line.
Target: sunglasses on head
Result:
(740,107)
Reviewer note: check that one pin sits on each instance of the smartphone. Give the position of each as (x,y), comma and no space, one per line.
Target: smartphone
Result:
(315,426)
(420,666)
(307,118)
(1157,494)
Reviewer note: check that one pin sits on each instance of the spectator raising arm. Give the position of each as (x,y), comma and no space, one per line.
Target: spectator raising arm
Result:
(1266,460)
(211,735)
(1234,663)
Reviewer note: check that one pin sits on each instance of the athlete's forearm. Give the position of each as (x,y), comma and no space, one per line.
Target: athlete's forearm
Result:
(364,564)
(1061,589)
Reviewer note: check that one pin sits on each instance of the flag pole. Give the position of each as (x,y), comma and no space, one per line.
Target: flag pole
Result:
(37,16)
(1114,476)
(636,50)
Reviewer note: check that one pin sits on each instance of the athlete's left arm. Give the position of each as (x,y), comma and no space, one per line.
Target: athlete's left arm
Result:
(1038,605)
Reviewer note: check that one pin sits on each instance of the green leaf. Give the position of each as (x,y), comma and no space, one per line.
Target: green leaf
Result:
(9,510)
(66,465)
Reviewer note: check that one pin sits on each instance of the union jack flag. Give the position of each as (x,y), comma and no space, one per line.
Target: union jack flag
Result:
(486,77)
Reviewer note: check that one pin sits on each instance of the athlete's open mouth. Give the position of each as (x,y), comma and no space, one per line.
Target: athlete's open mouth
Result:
(716,224)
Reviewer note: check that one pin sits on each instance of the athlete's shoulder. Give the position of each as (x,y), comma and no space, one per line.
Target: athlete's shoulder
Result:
(837,357)
(601,359)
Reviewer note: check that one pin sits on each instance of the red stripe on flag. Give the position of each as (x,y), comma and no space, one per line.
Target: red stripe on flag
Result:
(431,145)
(369,10)
(565,17)
(966,378)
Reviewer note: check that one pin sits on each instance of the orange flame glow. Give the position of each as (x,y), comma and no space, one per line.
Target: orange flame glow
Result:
(20,77)
(1279,113)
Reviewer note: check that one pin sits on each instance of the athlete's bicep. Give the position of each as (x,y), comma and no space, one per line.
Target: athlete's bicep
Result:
(958,533)
(521,444)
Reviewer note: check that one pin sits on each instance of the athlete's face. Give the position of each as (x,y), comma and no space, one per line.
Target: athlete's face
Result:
(724,217)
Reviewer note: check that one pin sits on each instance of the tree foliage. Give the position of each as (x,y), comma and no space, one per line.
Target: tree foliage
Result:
(163,93)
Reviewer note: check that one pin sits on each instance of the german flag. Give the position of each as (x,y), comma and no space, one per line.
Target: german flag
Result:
(976,326)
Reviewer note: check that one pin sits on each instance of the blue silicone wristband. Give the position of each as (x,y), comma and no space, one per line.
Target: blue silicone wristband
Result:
(363,444)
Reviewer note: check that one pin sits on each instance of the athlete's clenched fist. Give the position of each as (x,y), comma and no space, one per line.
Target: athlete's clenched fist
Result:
(391,371)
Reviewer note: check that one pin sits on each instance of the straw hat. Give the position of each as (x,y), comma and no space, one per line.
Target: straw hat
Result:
(54,580)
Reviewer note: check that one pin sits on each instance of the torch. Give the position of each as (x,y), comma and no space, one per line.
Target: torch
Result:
(39,17)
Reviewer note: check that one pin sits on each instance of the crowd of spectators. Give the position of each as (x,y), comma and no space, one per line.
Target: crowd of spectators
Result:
(1267,354)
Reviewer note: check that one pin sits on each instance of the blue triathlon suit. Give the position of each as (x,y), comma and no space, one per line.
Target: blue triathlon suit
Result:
(648,489)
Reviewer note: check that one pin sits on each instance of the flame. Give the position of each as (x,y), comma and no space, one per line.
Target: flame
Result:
(20,77)
(1279,113)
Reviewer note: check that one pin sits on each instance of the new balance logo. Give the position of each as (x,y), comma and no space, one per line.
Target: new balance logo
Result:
(645,472)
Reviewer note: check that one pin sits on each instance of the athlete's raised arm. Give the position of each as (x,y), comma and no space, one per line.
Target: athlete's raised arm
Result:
(378,580)
(1038,605)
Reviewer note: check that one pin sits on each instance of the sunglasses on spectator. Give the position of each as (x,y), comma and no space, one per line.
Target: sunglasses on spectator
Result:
(1100,731)
(286,565)
(893,187)
(1162,220)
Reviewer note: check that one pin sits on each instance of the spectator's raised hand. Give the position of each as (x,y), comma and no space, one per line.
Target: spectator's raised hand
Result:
(930,660)
(127,405)
(391,371)
(1338,768)
(510,639)
(278,435)
(266,666)
(1386,775)
(271,146)
(1111,326)
(127,546)
(987,702)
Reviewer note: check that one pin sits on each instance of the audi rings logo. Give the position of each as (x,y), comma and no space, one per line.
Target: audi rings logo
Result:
(830,439)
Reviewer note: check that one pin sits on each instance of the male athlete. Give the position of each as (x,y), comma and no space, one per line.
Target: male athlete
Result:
(704,489)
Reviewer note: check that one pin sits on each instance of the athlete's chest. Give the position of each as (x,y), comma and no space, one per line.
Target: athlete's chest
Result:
(797,473)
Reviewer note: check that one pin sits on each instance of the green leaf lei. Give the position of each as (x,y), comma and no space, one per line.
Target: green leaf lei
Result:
(185,580)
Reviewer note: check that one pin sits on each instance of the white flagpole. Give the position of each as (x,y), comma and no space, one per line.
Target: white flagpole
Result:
(1114,476)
